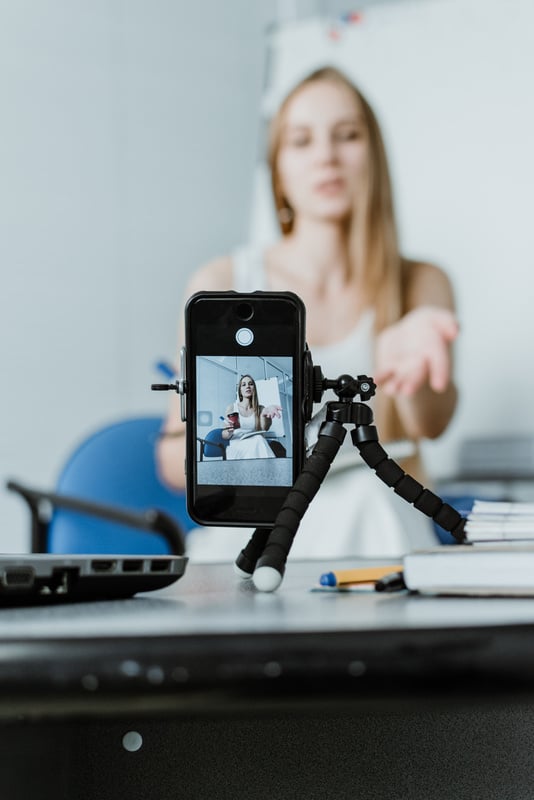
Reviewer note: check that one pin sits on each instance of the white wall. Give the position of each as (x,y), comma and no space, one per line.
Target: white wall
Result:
(451,81)
(128,137)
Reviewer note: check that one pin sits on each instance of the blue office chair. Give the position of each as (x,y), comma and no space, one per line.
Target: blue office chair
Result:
(109,498)
(213,445)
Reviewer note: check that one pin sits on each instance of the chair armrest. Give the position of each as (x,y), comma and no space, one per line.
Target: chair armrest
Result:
(152,519)
(209,443)
(213,444)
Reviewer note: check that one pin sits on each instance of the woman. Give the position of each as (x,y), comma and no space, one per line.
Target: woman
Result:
(245,417)
(368,309)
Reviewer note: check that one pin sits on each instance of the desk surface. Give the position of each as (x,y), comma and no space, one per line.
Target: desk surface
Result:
(294,694)
(212,630)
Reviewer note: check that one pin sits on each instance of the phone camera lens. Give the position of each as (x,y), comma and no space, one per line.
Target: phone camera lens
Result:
(244,337)
(244,311)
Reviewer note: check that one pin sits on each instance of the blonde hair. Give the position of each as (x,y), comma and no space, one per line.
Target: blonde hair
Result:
(374,258)
(255,404)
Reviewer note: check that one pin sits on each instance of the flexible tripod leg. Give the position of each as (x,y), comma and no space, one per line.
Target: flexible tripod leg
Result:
(270,566)
(365,438)
(266,554)
(245,563)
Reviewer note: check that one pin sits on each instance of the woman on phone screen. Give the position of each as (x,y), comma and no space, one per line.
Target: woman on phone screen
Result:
(247,417)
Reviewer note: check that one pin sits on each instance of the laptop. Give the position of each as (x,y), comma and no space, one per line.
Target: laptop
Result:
(40,578)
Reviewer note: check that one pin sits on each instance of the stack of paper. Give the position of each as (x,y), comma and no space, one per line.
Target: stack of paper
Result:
(491,521)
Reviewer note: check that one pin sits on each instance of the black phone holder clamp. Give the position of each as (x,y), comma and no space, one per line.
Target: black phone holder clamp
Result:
(264,558)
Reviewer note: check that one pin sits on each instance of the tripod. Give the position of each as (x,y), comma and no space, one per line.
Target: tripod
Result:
(264,558)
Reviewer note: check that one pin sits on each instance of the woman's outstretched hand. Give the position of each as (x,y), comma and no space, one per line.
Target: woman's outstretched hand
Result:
(416,351)
(272,411)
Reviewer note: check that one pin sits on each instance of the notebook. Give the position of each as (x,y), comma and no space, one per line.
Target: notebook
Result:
(38,578)
(482,569)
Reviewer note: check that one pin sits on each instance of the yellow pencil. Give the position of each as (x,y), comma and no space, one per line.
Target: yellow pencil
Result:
(340,577)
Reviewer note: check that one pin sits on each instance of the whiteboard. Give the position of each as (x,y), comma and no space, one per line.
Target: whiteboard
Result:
(451,82)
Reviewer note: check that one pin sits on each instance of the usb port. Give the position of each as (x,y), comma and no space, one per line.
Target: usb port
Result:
(103,565)
(132,565)
(160,565)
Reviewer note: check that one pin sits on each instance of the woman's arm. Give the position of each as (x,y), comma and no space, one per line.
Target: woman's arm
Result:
(228,431)
(170,451)
(265,420)
(414,356)
(267,413)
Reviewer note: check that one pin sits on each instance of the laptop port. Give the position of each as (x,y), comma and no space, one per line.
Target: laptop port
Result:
(103,565)
(18,577)
(132,565)
(160,565)
(62,580)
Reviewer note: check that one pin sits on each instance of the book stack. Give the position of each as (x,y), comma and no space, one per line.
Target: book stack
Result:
(491,521)
(498,558)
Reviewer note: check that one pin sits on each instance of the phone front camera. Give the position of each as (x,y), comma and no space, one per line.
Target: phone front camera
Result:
(244,311)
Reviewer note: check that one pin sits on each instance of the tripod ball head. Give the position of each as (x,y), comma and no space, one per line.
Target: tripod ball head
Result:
(346,387)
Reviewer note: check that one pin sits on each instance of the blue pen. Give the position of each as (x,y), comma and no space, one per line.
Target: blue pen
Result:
(328,579)
(166,370)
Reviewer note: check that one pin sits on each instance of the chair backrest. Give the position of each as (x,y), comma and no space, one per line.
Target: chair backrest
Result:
(116,466)
(215,445)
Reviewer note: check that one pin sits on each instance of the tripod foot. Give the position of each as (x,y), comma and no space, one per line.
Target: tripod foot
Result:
(241,573)
(245,563)
(266,579)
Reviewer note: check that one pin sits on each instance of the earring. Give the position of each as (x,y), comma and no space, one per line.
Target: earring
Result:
(285,215)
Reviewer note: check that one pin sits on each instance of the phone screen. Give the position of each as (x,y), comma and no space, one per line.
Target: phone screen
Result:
(244,362)
(253,429)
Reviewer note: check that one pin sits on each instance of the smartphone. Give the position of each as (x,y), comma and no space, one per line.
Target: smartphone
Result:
(244,366)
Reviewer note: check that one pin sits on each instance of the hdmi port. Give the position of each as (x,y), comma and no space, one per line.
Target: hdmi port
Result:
(103,565)
(160,565)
